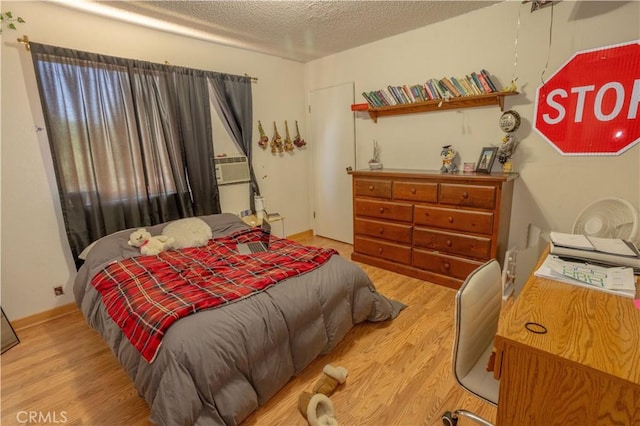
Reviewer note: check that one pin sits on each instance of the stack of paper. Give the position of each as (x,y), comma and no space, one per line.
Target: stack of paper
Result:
(610,251)
(615,280)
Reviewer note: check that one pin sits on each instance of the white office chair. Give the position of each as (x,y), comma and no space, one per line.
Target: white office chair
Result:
(477,309)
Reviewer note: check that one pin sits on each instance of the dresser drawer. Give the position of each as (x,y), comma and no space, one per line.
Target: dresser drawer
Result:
(460,220)
(483,197)
(389,231)
(442,264)
(384,210)
(478,247)
(372,188)
(382,249)
(426,192)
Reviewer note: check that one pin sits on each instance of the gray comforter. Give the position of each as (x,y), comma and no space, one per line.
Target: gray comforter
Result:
(217,366)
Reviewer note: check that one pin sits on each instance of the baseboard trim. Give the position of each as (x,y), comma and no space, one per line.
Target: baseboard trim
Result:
(41,317)
(300,235)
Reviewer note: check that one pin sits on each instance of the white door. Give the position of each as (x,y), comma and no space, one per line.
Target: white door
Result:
(333,151)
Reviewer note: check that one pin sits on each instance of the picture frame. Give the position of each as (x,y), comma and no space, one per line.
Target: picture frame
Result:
(487,157)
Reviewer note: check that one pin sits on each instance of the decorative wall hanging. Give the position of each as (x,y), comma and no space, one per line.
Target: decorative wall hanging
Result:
(288,143)
(590,105)
(276,142)
(264,139)
(10,21)
(298,141)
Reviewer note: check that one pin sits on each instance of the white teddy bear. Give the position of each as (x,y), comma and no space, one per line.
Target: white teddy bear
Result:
(149,245)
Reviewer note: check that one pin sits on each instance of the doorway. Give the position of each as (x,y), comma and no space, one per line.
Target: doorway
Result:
(333,152)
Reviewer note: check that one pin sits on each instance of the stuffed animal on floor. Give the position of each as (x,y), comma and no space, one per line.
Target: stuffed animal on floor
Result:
(149,246)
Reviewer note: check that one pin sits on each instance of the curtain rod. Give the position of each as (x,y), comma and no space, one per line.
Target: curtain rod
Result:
(253,79)
(25,40)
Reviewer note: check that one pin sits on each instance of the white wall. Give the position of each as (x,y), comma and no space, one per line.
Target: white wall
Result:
(552,189)
(35,252)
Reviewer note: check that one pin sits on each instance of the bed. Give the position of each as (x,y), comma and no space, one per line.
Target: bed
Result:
(216,366)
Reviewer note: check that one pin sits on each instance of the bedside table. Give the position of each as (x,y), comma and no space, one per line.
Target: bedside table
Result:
(252,220)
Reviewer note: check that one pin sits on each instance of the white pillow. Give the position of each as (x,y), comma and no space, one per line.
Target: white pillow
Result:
(189,232)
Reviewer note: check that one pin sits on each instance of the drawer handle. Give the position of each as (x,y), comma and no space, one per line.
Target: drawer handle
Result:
(446,265)
(381,209)
(465,195)
(380,250)
(370,187)
(413,190)
(449,243)
(450,219)
(380,231)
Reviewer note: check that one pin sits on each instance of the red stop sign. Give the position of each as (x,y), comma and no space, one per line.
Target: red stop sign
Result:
(591,105)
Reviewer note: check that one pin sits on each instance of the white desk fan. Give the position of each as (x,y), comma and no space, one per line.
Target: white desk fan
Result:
(608,218)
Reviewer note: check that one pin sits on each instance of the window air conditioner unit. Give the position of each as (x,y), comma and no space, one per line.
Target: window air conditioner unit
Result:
(231,170)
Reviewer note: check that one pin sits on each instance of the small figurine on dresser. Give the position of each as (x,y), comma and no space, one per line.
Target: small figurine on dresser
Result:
(448,156)
(374,163)
(506,150)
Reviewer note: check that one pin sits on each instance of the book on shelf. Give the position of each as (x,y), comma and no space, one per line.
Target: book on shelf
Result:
(465,86)
(382,97)
(476,80)
(423,91)
(428,90)
(389,98)
(369,100)
(443,92)
(434,89)
(408,94)
(273,216)
(378,98)
(484,73)
(473,85)
(417,94)
(404,95)
(458,86)
(485,85)
(614,280)
(608,251)
(450,87)
(394,93)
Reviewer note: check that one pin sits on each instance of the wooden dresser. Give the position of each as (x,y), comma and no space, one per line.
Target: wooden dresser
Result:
(428,225)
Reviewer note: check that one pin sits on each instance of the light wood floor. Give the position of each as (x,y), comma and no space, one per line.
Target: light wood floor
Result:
(399,371)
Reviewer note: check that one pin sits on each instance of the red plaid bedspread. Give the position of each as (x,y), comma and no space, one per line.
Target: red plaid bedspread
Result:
(144,295)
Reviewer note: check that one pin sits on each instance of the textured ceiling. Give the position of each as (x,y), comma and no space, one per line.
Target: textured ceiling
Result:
(299,30)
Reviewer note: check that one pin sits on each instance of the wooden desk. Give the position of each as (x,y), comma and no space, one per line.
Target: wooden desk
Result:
(584,371)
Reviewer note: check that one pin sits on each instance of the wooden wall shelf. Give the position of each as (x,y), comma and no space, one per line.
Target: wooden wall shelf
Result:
(489,99)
